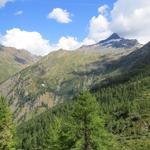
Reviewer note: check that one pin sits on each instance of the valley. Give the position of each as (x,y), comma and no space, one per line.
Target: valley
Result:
(42,95)
(60,75)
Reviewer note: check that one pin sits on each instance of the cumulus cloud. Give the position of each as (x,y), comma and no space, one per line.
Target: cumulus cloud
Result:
(68,43)
(128,18)
(98,29)
(35,43)
(4,2)
(60,15)
(31,41)
(103,9)
(18,13)
(131,19)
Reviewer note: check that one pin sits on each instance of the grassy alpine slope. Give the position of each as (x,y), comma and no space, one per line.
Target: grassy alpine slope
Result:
(61,74)
(123,103)
(123,106)
(13,60)
(120,84)
(56,77)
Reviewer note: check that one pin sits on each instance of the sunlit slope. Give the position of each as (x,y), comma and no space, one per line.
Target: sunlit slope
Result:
(56,77)
(13,60)
(124,104)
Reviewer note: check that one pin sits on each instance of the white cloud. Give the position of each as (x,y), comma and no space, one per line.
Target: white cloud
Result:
(128,18)
(88,41)
(31,41)
(131,19)
(4,2)
(20,12)
(103,9)
(35,43)
(60,15)
(68,43)
(98,29)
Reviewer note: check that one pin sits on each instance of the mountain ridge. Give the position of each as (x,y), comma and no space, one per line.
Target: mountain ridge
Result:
(58,76)
(13,61)
(115,41)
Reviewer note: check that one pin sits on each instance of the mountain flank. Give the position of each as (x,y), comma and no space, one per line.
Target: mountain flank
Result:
(13,60)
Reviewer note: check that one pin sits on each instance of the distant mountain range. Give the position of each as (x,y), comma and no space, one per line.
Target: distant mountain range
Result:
(61,74)
(13,61)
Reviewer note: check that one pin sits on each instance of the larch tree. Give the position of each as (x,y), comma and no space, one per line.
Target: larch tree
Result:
(6,127)
(85,129)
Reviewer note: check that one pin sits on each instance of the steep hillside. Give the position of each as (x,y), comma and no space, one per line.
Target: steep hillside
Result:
(13,60)
(123,103)
(58,76)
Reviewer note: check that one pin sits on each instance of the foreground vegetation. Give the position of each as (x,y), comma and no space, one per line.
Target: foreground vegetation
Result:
(72,126)
(115,114)
(118,118)
(7,130)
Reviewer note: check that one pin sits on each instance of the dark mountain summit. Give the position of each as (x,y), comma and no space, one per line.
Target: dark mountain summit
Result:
(115,41)
(114,36)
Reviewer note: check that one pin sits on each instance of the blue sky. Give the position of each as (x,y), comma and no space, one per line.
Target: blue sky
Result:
(41,26)
(34,17)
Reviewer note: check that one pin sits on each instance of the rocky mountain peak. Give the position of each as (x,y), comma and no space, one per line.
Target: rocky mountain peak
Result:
(115,41)
(113,37)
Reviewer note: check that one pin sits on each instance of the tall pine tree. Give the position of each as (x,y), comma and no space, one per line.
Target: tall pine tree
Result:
(6,127)
(85,129)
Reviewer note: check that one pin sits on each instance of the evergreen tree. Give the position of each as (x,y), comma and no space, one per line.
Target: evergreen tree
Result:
(85,129)
(52,136)
(6,127)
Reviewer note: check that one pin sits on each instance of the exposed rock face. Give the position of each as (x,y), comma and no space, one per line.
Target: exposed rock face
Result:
(116,41)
